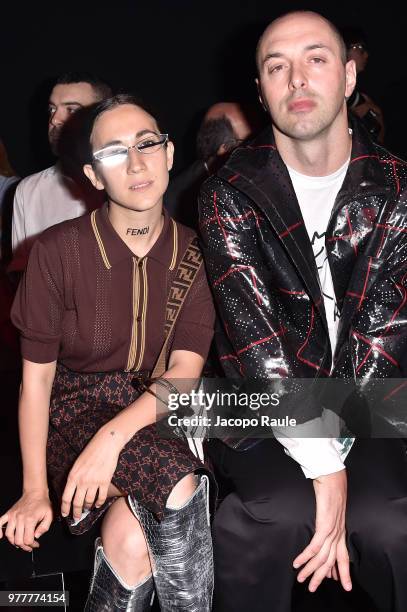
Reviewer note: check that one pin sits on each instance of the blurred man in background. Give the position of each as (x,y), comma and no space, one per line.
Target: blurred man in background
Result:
(224,127)
(359,103)
(50,196)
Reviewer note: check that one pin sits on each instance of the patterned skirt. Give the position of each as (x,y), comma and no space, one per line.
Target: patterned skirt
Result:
(149,466)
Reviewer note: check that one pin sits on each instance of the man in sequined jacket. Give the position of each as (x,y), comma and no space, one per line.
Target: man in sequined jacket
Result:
(305,240)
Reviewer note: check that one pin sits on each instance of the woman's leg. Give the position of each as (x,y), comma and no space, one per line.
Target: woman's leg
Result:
(124,543)
(182,491)
(122,578)
(181,548)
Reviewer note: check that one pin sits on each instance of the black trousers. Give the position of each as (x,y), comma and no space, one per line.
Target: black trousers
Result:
(269,518)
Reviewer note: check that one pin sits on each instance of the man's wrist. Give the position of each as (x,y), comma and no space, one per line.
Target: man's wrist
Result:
(316,456)
(326,477)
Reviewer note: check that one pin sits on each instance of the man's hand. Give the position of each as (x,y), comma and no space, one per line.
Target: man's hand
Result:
(328,546)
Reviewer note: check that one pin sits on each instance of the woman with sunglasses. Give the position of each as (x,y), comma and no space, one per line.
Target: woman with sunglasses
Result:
(107,299)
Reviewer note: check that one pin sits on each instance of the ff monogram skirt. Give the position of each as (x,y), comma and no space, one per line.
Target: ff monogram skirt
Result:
(149,466)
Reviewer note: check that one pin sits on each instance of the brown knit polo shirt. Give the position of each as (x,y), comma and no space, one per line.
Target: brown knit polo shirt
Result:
(87,301)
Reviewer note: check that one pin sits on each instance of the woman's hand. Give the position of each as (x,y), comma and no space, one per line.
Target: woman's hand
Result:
(91,474)
(27,520)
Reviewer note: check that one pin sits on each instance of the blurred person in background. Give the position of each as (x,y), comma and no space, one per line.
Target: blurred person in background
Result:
(359,103)
(50,196)
(8,338)
(224,127)
(8,181)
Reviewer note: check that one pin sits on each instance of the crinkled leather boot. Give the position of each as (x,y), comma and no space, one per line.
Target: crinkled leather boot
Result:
(180,548)
(109,593)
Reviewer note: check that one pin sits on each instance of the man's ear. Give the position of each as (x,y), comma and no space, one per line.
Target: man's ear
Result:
(91,175)
(350,75)
(260,94)
(170,154)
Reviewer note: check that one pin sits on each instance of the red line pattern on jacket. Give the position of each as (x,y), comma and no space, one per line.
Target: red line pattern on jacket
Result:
(302,347)
(234,269)
(374,345)
(290,229)
(233,178)
(395,391)
(226,237)
(291,292)
(281,332)
(238,219)
(362,297)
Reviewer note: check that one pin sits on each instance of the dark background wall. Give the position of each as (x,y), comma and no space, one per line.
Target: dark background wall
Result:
(179,55)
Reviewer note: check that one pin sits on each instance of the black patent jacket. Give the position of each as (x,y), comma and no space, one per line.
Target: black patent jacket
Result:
(264,278)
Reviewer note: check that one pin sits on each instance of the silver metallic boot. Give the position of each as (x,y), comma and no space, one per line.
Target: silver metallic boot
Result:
(109,593)
(180,548)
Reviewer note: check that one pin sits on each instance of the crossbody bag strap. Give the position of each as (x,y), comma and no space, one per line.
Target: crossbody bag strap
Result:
(182,282)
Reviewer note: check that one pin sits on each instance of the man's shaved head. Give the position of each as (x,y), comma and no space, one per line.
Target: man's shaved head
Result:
(304,77)
(332,27)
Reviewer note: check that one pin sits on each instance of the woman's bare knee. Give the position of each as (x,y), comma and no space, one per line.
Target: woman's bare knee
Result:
(124,543)
(113,491)
(183,490)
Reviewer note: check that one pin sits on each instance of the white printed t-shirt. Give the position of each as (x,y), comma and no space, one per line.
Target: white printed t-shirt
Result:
(316,197)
